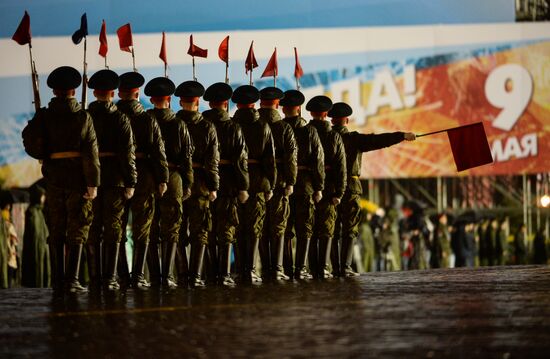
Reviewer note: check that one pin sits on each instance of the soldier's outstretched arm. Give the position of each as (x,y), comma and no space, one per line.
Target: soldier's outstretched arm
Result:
(371,142)
(89,151)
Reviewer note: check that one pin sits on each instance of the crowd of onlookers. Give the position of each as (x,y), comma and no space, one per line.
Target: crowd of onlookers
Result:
(403,238)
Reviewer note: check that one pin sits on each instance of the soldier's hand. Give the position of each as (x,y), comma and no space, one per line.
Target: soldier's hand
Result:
(268,195)
(163,187)
(317,196)
(212,196)
(336,201)
(129,192)
(409,136)
(289,190)
(91,193)
(243,196)
(186,193)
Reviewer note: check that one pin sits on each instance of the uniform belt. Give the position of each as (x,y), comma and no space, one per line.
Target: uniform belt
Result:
(107,154)
(304,168)
(197,165)
(68,154)
(141,155)
(224,162)
(355,177)
(253,161)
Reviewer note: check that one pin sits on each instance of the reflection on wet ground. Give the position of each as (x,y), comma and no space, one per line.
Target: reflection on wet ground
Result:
(497,312)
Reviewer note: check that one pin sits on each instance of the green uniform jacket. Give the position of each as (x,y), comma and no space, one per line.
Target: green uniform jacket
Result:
(114,136)
(206,156)
(232,148)
(286,150)
(177,143)
(357,143)
(261,153)
(335,159)
(68,129)
(148,139)
(311,158)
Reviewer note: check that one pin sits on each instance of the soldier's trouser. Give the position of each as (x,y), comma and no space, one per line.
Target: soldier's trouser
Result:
(225,219)
(197,213)
(300,225)
(323,230)
(108,209)
(349,214)
(251,219)
(278,211)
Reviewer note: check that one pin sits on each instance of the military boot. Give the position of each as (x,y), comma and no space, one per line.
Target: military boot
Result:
(94,259)
(335,257)
(111,260)
(197,259)
(122,265)
(302,249)
(182,265)
(347,251)
(138,267)
(279,253)
(73,268)
(288,261)
(214,270)
(252,259)
(57,265)
(324,257)
(168,258)
(153,264)
(264,247)
(225,265)
(313,257)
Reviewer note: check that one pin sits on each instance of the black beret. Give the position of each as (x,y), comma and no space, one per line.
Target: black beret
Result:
(160,86)
(104,80)
(271,93)
(293,98)
(319,104)
(340,109)
(220,91)
(64,78)
(245,94)
(131,80)
(190,89)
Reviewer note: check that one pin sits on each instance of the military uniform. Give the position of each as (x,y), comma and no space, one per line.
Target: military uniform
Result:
(152,169)
(233,171)
(206,177)
(118,172)
(310,179)
(179,151)
(262,173)
(72,166)
(335,185)
(349,210)
(278,209)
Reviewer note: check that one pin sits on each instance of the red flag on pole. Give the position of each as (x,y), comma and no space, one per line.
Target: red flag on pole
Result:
(223,50)
(250,63)
(271,69)
(195,50)
(298,72)
(470,146)
(103,46)
(125,37)
(23,33)
(162,54)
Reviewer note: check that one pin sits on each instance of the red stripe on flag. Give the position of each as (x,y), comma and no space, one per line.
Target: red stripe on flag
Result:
(470,146)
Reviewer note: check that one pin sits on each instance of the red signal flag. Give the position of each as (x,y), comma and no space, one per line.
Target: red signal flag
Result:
(195,50)
(162,54)
(251,62)
(470,146)
(298,72)
(125,37)
(23,33)
(103,46)
(271,69)
(223,50)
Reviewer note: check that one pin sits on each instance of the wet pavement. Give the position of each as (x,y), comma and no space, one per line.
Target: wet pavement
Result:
(501,312)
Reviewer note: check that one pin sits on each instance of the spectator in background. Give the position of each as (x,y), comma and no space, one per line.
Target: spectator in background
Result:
(501,243)
(11,240)
(485,247)
(540,255)
(520,245)
(367,241)
(36,260)
(441,246)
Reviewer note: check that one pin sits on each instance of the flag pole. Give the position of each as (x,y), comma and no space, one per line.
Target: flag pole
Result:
(250,77)
(297,84)
(194,77)
(448,129)
(35,84)
(227,72)
(134,59)
(85,76)
(166,70)
(107,67)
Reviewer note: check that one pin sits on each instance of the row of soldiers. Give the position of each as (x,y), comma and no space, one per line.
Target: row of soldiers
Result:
(207,180)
